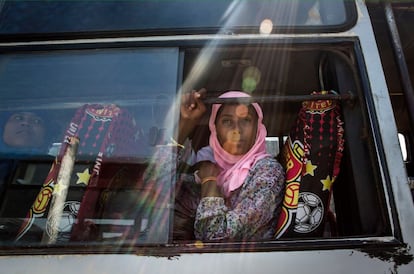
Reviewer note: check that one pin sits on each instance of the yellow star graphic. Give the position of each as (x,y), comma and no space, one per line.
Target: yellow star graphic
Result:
(310,168)
(83,177)
(327,183)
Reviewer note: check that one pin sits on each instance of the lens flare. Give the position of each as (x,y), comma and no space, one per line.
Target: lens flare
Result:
(251,78)
(233,136)
(242,111)
(266,27)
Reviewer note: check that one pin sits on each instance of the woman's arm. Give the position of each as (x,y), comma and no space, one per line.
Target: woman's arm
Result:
(162,167)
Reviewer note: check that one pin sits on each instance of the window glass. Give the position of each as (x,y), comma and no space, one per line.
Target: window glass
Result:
(120,103)
(180,16)
(62,81)
(115,101)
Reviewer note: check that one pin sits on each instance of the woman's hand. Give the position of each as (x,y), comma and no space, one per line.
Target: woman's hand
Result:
(192,109)
(208,169)
(209,188)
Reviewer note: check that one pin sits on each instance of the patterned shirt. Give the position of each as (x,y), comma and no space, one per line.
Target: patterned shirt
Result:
(250,213)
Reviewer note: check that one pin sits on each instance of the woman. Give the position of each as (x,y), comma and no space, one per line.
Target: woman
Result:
(242,187)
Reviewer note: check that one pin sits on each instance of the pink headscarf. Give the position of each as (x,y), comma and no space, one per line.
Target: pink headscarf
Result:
(235,168)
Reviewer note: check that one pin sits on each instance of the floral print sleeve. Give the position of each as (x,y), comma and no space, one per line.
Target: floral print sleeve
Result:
(250,213)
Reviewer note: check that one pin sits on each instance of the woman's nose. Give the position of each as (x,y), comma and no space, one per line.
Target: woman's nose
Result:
(239,126)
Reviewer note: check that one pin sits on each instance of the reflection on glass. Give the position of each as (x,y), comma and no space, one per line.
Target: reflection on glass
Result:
(266,26)
(109,99)
(403,146)
(173,15)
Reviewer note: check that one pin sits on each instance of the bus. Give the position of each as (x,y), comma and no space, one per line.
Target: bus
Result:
(89,91)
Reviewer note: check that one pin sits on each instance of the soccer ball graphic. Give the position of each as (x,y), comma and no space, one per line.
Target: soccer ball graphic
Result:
(68,217)
(309,213)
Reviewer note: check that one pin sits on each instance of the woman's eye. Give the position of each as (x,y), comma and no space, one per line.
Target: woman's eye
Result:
(227,122)
(246,121)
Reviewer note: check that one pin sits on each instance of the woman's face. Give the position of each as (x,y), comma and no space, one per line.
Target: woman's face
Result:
(236,127)
(24,129)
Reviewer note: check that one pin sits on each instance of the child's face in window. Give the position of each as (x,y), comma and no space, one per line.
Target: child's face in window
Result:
(24,129)
(236,127)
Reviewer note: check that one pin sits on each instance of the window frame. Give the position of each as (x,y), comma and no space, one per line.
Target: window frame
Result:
(350,10)
(386,243)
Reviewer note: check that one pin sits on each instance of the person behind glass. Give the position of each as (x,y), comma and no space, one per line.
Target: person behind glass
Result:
(24,131)
(242,187)
(22,134)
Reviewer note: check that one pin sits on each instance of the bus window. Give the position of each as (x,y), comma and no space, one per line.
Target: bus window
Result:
(111,99)
(90,85)
(137,17)
(357,203)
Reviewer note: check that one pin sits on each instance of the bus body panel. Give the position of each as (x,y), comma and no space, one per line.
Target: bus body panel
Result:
(326,261)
